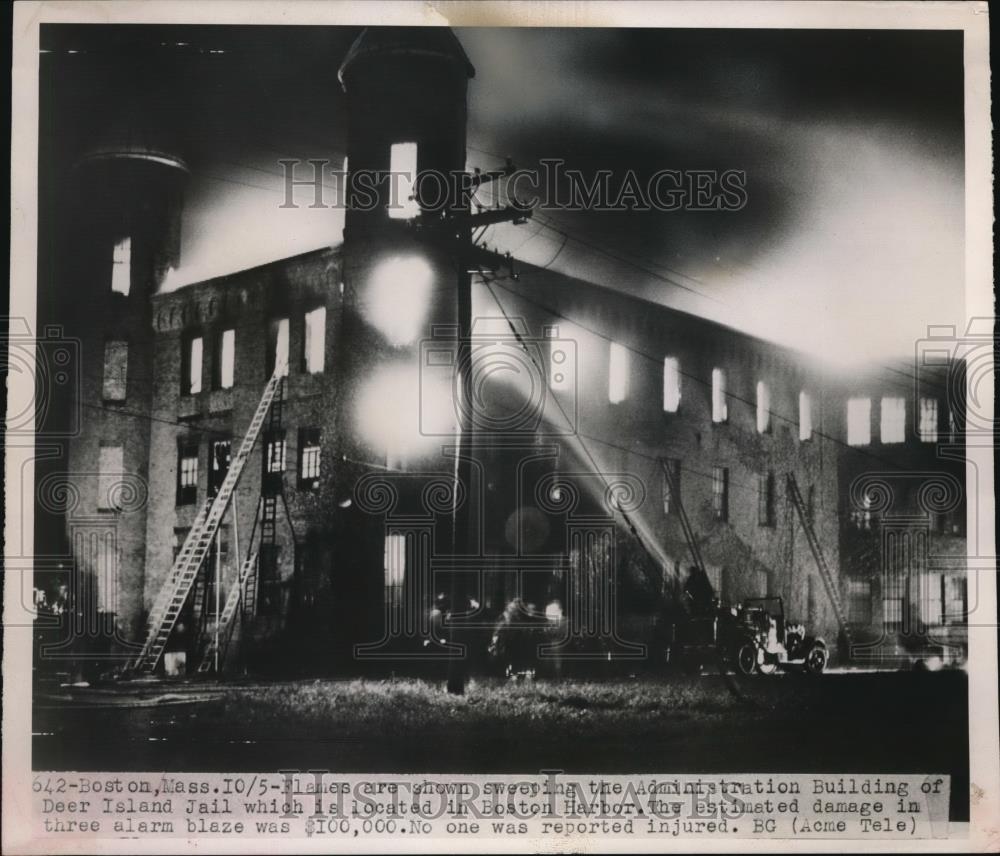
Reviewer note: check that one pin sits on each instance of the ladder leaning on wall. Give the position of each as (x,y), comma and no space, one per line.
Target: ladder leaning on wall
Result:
(832,589)
(171,598)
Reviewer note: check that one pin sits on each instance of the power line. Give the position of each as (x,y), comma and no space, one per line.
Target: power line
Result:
(589,242)
(596,248)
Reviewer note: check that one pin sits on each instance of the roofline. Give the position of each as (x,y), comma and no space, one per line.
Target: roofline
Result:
(220,279)
(358,51)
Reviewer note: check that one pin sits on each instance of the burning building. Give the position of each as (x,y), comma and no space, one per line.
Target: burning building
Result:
(288,466)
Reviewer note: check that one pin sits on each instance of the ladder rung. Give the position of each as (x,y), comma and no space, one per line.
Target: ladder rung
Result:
(172,597)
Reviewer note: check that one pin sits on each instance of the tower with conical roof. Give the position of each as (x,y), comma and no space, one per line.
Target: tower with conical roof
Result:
(406,92)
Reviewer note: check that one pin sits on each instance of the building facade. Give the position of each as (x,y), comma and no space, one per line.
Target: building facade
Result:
(616,444)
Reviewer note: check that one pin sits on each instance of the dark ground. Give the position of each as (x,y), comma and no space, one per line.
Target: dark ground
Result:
(840,723)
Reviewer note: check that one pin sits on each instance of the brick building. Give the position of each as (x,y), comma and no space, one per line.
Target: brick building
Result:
(617,442)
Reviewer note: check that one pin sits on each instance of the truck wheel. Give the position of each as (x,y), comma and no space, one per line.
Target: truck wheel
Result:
(765,666)
(816,659)
(746,658)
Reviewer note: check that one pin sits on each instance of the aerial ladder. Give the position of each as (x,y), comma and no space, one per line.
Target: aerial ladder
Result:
(824,569)
(171,599)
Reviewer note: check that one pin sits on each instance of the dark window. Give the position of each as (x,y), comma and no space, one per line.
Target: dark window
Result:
(811,503)
(187,474)
(309,458)
(720,492)
(115,370)
(218,465)
(859,601)
(765,501)
(953,522)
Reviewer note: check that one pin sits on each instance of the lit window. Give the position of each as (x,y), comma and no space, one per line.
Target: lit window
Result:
(225,355)
(617,373)
(111,469)
(720,492)
(928,420)
(274,455)
(765,499)
(277,348)
(121,267)
(763,408)
(115,370)
(931,603)
(953,433)
(720,412)
(859,421)
(560,361)
(309,458)
(191,366)
(671,384)
(403,169)
(395,569)
(218,465)
(893,593)
(314,345)
(187,474)
(893,425)
(671,485)
(805,417)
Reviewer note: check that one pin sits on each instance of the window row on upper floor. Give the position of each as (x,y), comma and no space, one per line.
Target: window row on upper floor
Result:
(618,387)
(766,493)
(858,410)
(892,420)
(274,463)
(312,354)
(223,362)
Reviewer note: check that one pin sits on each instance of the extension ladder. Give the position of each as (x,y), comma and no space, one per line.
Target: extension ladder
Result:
(828,580)
(171,598)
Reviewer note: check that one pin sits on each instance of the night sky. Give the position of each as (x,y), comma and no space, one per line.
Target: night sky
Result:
(852,142)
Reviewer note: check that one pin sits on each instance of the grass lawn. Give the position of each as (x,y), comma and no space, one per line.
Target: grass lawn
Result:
(847,723)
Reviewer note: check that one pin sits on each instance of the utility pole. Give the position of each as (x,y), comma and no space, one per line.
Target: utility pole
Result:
(454,234)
